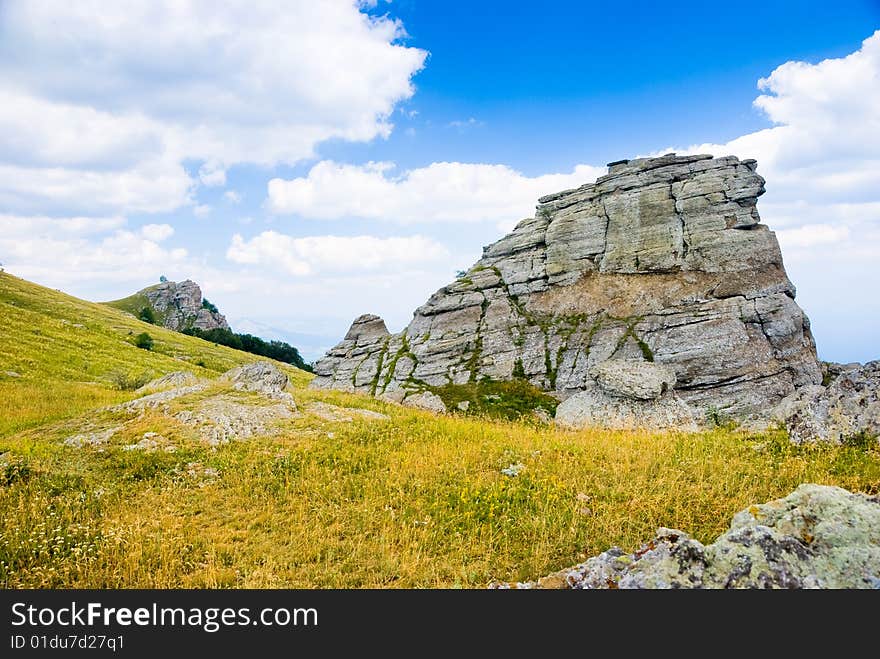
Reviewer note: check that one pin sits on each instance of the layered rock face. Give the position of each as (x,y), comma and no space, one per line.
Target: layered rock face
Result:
(662,260)
(180,306)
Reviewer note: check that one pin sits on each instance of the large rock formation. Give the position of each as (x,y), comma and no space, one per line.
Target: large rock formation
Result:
(662,260)
(175,305)
(816,537)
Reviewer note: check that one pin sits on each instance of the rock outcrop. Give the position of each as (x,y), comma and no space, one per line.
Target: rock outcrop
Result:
(816,537)
(847,410)
(662,260)
(175,305)
(173,380)
(627,394)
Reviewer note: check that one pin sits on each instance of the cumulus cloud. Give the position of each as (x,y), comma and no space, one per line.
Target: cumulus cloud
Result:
(157,232)
(440,192)
(64,252)
(232,196)
(100,113)
(16,226)
(202,210)
(334,254)
(212,174)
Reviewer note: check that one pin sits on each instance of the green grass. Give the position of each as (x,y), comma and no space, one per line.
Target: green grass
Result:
(415,501)
(68,352)
(133,304)
(511,400)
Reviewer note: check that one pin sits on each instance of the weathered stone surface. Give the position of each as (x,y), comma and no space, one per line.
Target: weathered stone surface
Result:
(178,305)
(93,439)
(159,400)
(170,381)
(150,443)
(221,419)
(662,260)
(816,537)
(630,378)
(425,400)
(218,415)
(330,412)
(847,407)
(593,407)
(262,377)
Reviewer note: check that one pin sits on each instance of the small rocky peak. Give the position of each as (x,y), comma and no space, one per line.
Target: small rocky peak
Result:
(367,329)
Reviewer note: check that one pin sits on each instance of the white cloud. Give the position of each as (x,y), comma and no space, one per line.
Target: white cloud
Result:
(157,232)
(812,235)
(822,165)
(440,192)
(15,226)
(826,146)
(102,103)
(202,210)
(66,252)
(334,254)
(212,174)
(152,186)
(232,196)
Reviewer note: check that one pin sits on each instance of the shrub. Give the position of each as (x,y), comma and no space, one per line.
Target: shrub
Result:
(210,307)
(128,381)
(720,419)
(144,341)
(147,315)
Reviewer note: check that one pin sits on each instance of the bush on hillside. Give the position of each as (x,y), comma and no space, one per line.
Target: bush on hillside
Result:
(209,306)
(144,341)
(128,381)
(147,315)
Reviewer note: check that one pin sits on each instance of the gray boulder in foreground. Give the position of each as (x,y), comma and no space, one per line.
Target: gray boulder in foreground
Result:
(662,260)
(816,537)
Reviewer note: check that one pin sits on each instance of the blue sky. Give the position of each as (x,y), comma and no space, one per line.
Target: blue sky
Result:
(309,162)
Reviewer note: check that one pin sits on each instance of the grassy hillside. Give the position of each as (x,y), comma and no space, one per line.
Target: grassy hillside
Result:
(414,500)
(133,304)
(70,354)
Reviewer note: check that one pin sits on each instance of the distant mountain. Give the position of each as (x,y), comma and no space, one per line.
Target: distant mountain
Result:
(177,306)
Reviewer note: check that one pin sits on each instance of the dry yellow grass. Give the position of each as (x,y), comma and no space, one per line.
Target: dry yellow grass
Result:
(415,501)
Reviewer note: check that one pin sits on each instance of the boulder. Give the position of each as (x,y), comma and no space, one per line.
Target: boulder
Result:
(662,260)
(222,419)
(847,408)
(816,537)
(170,381)
(594,407)
(425,400)
(262,377)
(630,378)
